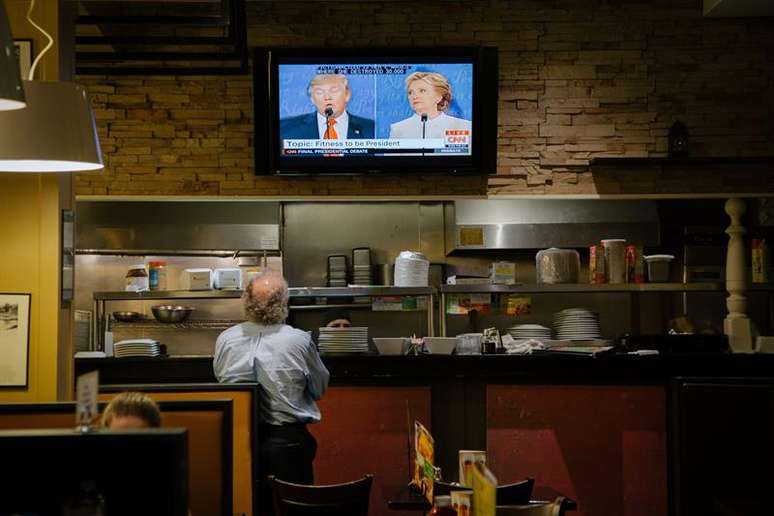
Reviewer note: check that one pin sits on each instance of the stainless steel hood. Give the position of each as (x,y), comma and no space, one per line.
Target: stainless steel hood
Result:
(177,227)
(541,223)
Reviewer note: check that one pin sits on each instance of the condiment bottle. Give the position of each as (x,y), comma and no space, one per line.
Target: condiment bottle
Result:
(157,274)
(442,507)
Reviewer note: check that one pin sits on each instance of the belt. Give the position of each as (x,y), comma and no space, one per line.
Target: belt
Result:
(270,426)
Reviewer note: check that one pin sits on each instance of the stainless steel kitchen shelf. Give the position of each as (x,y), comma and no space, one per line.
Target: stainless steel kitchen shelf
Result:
(102,298)
(583,287)
(327,307)
(360,291)
(152,324)
(630,288)
(294,292)
(167,294)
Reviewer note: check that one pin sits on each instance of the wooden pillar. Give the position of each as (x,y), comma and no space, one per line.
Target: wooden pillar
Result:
(737,325)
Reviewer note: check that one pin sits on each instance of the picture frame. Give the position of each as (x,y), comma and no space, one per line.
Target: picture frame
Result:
(24,51)
(67,279)
(14,339)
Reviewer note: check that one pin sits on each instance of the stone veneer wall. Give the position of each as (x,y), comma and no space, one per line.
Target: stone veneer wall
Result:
(578,79)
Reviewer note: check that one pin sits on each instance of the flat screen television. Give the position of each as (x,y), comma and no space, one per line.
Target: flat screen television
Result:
(65,472)
(376,110)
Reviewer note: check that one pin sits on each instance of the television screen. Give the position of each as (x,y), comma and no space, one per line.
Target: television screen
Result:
(379,110)
(116,473)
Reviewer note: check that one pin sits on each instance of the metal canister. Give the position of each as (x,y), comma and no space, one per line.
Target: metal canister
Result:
(597,264)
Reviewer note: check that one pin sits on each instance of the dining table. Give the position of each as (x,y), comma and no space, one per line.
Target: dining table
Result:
(407,499)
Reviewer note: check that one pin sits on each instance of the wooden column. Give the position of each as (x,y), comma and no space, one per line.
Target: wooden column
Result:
(737,325)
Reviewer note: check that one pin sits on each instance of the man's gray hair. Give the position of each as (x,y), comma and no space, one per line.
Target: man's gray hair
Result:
(266,299)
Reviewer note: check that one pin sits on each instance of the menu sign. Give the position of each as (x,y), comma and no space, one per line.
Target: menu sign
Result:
(424,457)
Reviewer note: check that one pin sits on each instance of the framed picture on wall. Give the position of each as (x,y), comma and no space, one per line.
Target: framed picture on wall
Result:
(14,339)
(24,53)
(68,254)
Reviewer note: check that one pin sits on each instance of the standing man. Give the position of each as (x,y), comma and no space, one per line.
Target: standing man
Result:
(330,94)
(286,364)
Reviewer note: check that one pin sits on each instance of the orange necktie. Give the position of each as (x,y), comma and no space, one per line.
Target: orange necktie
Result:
(330,132)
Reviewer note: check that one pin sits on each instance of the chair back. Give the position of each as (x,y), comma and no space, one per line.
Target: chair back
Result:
(518,493)
(348,499)
(555,508)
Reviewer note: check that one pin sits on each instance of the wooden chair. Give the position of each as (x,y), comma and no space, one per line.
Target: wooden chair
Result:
(518,493)
(348,499)
(555,508)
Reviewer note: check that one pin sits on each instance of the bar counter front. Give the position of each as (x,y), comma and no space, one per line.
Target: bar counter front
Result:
(607,431)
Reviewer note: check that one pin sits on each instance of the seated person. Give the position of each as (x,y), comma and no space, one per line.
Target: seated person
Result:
(131,410)
(336,318)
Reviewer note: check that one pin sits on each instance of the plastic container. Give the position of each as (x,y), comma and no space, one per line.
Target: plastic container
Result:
(469,344)
(157,274)
(411,269)
(137,279)
(615,259)
(658,267)
(557,266)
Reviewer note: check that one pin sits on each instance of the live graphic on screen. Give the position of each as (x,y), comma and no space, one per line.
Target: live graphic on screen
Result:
(395,109)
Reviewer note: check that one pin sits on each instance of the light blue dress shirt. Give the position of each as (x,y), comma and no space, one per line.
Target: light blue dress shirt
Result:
(283,360)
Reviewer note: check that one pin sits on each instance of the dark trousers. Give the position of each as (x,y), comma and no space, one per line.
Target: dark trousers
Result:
(287,452)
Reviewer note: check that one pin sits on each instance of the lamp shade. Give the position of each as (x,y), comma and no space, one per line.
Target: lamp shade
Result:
(55,133)
(11,92)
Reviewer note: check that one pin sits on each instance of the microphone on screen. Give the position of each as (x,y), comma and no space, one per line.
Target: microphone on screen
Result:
(328,112)
(423,117)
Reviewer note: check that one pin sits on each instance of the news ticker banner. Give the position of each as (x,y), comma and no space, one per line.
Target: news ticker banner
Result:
(454,142)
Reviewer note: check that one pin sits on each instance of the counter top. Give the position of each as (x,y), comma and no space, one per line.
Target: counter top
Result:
(402,370)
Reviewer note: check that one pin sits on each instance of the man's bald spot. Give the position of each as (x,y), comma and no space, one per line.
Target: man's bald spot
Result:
(265,286)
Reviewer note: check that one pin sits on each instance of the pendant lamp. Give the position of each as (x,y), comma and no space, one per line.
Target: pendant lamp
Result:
(11,92)
(55,133)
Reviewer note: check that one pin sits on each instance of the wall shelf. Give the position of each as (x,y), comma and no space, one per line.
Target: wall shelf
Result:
(102,298)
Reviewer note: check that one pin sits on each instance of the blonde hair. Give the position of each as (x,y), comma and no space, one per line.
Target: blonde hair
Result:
(439,83)
(266,299)
(325,77)
(135,404)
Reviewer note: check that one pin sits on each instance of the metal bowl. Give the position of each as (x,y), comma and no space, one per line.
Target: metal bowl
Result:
(126,316)
(171,313)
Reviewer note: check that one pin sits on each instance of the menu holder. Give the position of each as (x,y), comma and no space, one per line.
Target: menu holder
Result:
(424,456)
(484,491)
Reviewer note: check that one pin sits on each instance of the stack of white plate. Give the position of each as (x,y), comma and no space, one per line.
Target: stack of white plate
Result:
(344,340)
(361,274)
(411,269)
(529,331)
(137,348)
(576,324)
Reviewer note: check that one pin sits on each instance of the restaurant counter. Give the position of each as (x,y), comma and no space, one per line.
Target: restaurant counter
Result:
(546,368)
(596,429)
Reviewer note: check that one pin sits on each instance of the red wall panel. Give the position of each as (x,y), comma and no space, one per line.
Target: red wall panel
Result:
(603,446)
(363,430)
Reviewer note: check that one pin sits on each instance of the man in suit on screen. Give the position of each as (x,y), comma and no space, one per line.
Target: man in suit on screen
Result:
(330,94)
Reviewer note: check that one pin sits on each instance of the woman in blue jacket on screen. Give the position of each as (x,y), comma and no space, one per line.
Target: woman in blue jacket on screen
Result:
(430,96)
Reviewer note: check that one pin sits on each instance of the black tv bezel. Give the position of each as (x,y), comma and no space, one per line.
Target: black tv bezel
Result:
(482,160)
